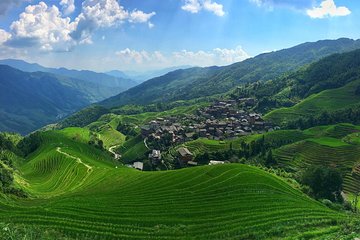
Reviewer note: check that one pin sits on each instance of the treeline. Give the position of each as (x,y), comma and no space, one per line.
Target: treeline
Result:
(127,129)
(133,109)
(84,117)
(8,149)
(7,180)
(260,149)
(6,143)
(349,115)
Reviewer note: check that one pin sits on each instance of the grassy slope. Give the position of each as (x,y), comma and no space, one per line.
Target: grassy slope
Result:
(335,146)
(104,202)
(328,100)
(203,145)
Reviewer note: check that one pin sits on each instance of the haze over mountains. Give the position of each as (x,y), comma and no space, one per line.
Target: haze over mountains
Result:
(116,83)
(143,76)
(34,96)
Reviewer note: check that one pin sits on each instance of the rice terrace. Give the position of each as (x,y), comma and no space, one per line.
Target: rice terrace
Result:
(179,119)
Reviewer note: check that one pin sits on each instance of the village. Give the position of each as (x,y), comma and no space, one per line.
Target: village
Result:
(226,119)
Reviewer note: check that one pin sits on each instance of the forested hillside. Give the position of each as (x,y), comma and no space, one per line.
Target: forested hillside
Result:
(114,85)
(29,101)
(200,82)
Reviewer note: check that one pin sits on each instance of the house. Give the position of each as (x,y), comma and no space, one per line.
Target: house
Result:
(185,154)
(192,163)
(155,156)
(202,133)
(189,136)
(138,165)
(212,162)
(146,130)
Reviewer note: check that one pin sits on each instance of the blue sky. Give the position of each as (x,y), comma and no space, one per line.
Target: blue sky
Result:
(142,35)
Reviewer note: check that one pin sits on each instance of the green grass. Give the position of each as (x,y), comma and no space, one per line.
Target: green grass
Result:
(328,100)
(328,141)
(143,118)
(328,152)
(211,202)
(132,150)
(203,145)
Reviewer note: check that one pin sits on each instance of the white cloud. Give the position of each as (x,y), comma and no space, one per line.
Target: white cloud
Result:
(129,56)
(105,13)
(328,8)
(156,59)
(192,6)
(195,6)
(4,36)
(151,25)
(228,56)
(44,26)
(214,7)
(68,6)
(140,17)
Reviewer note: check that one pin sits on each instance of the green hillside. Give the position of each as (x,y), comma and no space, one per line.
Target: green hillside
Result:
(328,100)
(29,101)
(200,82)
(79,192)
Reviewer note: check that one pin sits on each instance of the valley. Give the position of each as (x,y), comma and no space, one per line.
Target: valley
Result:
(270,157)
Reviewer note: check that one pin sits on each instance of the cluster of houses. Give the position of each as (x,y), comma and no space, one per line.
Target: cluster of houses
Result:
(222,120)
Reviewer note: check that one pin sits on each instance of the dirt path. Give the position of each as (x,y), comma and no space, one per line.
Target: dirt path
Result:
(78,160)
(145,143)
(116,155)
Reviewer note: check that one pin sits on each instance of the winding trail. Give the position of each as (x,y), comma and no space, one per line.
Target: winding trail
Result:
(116,155)
(78,160)
(145,143)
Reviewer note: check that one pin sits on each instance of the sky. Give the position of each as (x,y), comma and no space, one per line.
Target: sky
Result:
(142,35)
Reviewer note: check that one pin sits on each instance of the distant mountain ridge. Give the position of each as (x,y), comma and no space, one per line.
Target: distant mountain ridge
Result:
(117,84)
(141,77)
(200,82)
(29,101)
(33,96)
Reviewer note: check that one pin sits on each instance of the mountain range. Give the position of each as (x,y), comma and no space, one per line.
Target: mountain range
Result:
(201,82)
(25,111)
(33,96)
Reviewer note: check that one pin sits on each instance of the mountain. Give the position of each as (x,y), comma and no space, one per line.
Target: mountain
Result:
(29,101)
(141,77)
(199,82)
(330,85)
(118,74)
(115,84)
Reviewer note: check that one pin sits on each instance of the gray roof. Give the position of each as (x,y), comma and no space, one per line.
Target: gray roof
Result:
(184,152)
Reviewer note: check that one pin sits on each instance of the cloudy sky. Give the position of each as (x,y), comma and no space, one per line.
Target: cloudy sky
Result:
(142,35)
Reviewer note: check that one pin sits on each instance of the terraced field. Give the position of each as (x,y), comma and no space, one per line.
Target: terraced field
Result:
(324,152)
(80,192)
(328,100)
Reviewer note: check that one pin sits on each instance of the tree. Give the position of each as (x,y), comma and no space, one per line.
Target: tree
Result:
(356,201)
(269,160)
(324,182)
